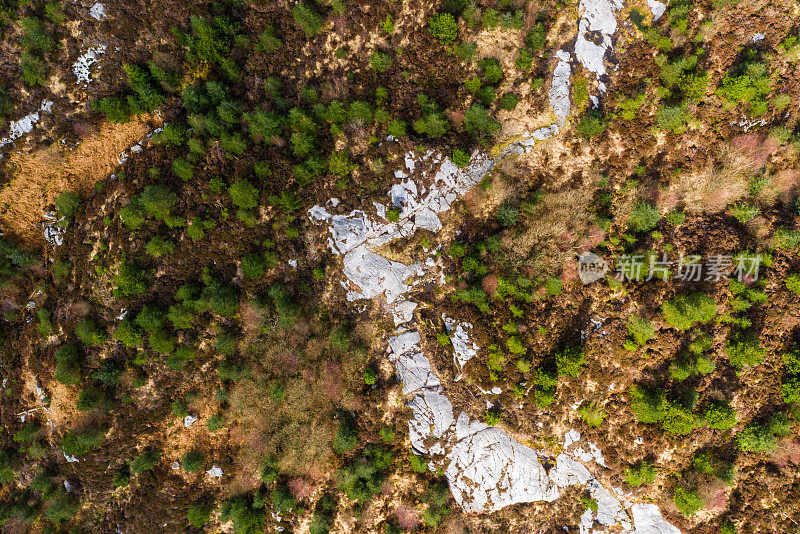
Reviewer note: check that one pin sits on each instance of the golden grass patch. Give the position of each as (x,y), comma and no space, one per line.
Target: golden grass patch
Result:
(37,178)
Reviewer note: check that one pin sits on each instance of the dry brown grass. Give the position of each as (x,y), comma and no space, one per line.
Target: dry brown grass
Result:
(557,223)
(37,178)
(714,187)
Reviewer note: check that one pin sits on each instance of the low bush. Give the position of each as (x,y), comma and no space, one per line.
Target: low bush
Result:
(444,28)
(145,461)
(192,461)
(67,204)
(687,501)
(744,350)
(641,473)
(570,361)
(763,437)
(308,20)
(129,334)
(380,61)
(79,442)
(684,311)
(67,367)
(198,515)
(591,414)
(640,329)
(90,333)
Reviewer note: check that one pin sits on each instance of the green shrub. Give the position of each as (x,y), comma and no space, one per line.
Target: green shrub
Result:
(268,42)
(507,216)
(749,83)
(221,298)
(508,101)
(158,201)
(33,70)
(264,125)
(687,501)
(744,213)
(157,246)
(133,216)
(308,20)
(193,461)
(245,518)
(444,28)
(79,442)
(67,367)
(108,373)
(339,163)
(524,60)
(35,36)
(362,478)
(465,51)
(744,350)
(647,405)
(45,326)
(90,333)
(387,434)
(254,265)
(181,316)
(55,13)
(790,389)
(569,361)
(536,38)
(150,318)
(162,342)
(198,515)
(460,158)
(183,169)
(545,388)
(62,508)
(591,124)
(644,217)
(362,111)
(492,70)
(640,329)
(641,473)
(491,417)
(346,438)
(145,461)
(67,204)
(147,93)
(28,433)
(679,420)
(128,333)
(396,129)
(763,437)
(433,122)
(89,399)
(7,459)
(380,61)
(130,282)
(479,123)
(793,283)
(685,310)
(243,194)
(591,414)
(115,109)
